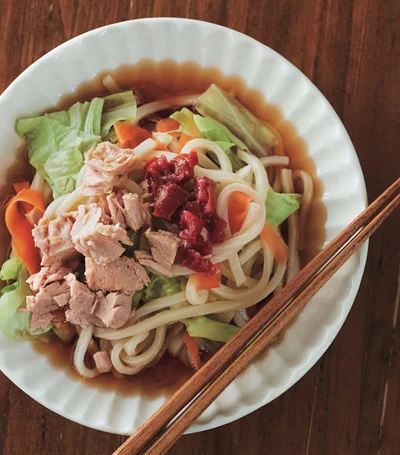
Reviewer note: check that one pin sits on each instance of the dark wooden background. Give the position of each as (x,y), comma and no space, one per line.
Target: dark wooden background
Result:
(349,403)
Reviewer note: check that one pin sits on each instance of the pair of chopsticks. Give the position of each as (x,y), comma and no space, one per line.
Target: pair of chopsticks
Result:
(164,427)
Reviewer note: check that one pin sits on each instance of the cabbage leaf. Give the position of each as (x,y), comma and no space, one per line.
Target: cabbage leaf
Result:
(161,286)
(219,105)
(57,141)
(215,132)
(197,126)
(55,150)
(82,116)
(118,107)
(280,206)
(16,325)
(136,298)
(187,124)
(10,269)
(204,327)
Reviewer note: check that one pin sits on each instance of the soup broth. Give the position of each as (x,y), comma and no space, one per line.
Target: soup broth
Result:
(156,80)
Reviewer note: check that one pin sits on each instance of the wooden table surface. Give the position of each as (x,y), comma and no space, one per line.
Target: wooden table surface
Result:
(349,403)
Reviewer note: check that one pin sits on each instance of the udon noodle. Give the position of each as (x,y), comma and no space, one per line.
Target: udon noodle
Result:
(250,270)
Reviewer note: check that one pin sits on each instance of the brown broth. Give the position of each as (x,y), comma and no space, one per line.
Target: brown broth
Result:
(162,379)
(155,80)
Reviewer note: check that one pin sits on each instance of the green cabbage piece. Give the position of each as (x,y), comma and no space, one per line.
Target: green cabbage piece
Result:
(10,269)
(16,325)
(217,133)
(62,169)
(280,206)
(57,141)
(55,150)
(187,124)
(205,127)
(161,286)
(225,317)
(136,298)
(219,105)
(204,327)
(82,116)
(118,107)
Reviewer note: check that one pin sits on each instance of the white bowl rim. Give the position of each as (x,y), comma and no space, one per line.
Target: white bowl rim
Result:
(357,275)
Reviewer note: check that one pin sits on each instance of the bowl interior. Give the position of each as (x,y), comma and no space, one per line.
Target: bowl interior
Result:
(235,59)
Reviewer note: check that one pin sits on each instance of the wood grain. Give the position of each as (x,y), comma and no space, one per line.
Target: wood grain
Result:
(163,429)
(349,403)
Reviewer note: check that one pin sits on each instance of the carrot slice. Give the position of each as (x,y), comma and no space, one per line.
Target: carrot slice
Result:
(21,230)
(130,135)
(193,350)
(183,140)
(238,205)
(168,125)
(20,185)
(204,281)
(274,240)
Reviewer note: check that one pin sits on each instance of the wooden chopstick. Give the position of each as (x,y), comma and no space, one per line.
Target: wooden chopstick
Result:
(262,340)
(236,355)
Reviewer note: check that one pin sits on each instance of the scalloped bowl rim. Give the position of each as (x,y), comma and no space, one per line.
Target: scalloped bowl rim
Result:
(355,275)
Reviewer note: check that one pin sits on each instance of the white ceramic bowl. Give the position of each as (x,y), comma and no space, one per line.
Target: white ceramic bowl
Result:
(60,71)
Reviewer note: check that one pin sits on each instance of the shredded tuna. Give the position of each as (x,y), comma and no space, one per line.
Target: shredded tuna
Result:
(53,238)
(107,165)
(45,276)
(145,258)
(82,304)
(136,212)
(58,319)
(94,239)
(102,361)
(114,309)
(116,209)
(124,274)
(87,307)
(126,209)
(45,302)
(164,246)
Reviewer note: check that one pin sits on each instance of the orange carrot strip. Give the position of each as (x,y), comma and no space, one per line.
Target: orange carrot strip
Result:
(204,281)
(183,140)
(20,185)
(130,135)
(238,205)
(193,350)
(168,125)
(21,230)
(274,240)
